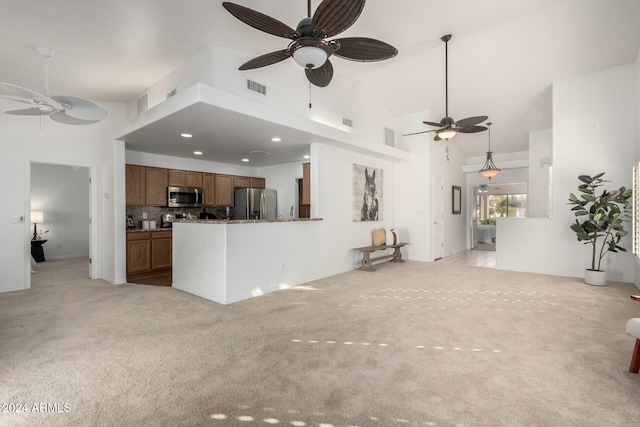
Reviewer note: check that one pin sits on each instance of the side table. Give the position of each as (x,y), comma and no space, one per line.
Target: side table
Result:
(37,252)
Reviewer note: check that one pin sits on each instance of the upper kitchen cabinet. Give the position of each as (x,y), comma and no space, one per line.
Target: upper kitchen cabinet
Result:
(182,178)
(258,183)
(177,178)
(224,190)
(195,179)
(209,186)
(156,186)
(306,184)
(248,182)
(241,181)
(135,182)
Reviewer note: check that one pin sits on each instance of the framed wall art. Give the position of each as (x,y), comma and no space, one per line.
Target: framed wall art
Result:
(367,193)
(456,206)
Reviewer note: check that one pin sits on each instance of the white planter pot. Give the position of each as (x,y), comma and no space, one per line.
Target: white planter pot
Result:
(595,277)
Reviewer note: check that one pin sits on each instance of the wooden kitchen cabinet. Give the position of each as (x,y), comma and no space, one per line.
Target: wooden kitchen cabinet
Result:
(258,183)
(241,182)
(194,179)
(149,257)
(176,178)
(138,253)
(135,185)
(209,186)
(224,190)
(306,184)
(156,186)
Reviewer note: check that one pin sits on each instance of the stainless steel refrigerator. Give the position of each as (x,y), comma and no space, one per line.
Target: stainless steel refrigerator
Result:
(255,203)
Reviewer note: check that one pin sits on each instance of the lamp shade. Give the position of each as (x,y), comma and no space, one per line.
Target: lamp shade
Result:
(37,217)
(310,57)
(446,133)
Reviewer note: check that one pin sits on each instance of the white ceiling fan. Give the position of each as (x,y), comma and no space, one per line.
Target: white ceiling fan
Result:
(64,109)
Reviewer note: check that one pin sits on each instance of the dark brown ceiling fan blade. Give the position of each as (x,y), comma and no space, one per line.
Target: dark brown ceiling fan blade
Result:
(336,16)
(418,133)
(320,76)
(260,21)
(364,49)
(471,121)
(472,129)
(266,59)
(432,124)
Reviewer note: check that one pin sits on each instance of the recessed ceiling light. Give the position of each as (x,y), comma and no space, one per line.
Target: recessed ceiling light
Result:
(198,153)
(186,135)
(307,156)
(245,160)
(276,139)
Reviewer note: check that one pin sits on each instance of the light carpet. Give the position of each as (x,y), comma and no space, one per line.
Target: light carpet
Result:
(411,344)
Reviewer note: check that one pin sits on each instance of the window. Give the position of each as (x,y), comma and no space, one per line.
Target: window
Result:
(507,206)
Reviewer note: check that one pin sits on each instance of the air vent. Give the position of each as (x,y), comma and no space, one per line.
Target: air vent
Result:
(347,122)
(389,137)
(256,87)
(171,93)
(143,103)
(260,153)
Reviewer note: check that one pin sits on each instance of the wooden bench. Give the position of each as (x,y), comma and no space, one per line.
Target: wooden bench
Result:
(367,250)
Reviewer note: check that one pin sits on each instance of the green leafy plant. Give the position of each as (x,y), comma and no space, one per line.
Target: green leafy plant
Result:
(599,218)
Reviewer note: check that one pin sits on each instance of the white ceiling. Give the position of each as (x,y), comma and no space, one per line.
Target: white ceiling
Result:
(503,57)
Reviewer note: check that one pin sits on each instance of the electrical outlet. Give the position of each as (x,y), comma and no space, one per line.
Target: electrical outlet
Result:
(144,215)
(609,261)
(13,220)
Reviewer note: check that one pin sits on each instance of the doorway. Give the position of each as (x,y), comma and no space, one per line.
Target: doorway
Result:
(63,199)
(437,210)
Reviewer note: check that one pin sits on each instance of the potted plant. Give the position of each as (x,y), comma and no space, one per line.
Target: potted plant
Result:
(599,221)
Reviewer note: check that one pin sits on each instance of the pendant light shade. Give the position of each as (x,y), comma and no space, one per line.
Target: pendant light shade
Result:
(310,57)
(489,170)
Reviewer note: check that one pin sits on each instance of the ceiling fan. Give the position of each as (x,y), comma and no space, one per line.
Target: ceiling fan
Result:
(308,46)
(448,128)
(64,109)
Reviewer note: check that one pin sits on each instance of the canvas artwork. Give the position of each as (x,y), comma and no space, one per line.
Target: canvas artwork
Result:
(367,193)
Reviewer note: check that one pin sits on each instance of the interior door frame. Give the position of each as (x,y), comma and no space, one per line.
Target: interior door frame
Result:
(437,191)
(94,217)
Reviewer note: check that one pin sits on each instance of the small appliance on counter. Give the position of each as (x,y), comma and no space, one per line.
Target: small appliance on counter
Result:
(167,219)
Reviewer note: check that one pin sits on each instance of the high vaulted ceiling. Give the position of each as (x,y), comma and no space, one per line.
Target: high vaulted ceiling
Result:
(503,57)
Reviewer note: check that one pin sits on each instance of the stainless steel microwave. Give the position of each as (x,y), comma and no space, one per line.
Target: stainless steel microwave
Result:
(185,197)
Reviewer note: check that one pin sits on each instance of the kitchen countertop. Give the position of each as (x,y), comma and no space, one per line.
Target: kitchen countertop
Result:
(140,230)
(242,221)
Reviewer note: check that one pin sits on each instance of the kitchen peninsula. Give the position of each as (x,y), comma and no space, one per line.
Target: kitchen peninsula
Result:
(230,260)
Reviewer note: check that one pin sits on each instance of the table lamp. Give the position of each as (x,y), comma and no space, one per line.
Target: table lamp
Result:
(36,217)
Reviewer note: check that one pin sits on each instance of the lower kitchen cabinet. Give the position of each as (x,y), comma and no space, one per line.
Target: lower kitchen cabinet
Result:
(149,257)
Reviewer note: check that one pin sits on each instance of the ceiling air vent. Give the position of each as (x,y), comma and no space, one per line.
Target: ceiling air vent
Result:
(256,87)
(389,137)
(143,103)
(260,153)
(347,122)
(171,93)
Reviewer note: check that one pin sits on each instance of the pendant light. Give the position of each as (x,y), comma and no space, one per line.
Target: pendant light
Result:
(489,170)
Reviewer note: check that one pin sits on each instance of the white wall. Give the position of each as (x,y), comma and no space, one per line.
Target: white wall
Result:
(218,66)
(331,199)
(62,194)
(414,189)
(282,178)
(27,139)
(584,142)
(637,145)
(169,162)
(540,159)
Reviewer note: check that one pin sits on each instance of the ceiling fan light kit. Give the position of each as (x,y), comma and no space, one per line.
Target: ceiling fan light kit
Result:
(309,46)
(489,170)
(63,109)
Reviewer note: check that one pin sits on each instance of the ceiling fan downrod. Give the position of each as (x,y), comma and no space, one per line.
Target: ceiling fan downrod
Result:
(446,39)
